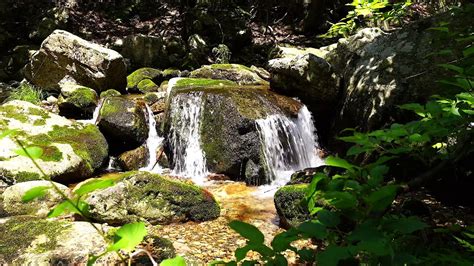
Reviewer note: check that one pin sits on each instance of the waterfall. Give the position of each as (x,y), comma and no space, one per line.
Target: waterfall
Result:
(288,145)
(153,142)
(189,159)
(95,115)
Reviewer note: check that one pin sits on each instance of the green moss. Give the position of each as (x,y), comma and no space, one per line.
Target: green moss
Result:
(109,109)
(39,122)
(151,98)
(230,66)
(171,72)
(198,82)
(20,231)
(290,205)
(39,112)
(147,85)
(109,93)
(140,74)
(26,176)
(11,111)
(82,97)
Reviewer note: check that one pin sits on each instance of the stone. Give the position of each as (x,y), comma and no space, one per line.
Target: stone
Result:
(288,203)
(240,74)
(11,203)
(145,51)
(109,93)
(253,173)
(123,122)
(72,151)
(64,55)
(134,159)
(150,197)
(142,74)
(27,240)
(76,101)
(221,54)
(146,86)
(228,133)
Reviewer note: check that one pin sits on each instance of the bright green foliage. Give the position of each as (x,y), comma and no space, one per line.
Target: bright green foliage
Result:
(27,92)
(128,237)
(92,185)
(178,261)
(32,151)
(35,192)
(373,11)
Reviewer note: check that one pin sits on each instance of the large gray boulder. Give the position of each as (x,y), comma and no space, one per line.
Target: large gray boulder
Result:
(72,151)
(64,55)
(234,72)
(144,196)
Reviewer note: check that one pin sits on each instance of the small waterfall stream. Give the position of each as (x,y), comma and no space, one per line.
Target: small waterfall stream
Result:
(153,142)
(189,159)
(288,144)
(95,115)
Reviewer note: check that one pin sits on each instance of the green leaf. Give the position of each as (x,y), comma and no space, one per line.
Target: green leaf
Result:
(128,237)
(452,67)
(376,174)
(328,218)
(282,241)
(339,162)
(265,251)
(280,260)
(306,254)
(63,207)
(7,133)
(415,107)
(248,231)
(332,255)
(405,225)
(468,51)
(32,152)
(313,229)
(176,261)
(92,185)
(340,200)
(381,199)
(34,193)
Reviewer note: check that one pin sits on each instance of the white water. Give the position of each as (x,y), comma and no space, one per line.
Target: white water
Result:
(95,115)
(289,145)
(153,142)
(189,159)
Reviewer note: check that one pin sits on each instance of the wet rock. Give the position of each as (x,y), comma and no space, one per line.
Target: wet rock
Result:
(233,72)
(71,151)
(134,159)
(290,206)
(11,203)
(305,176)
(109,93)
(142,78)
(123,122)
(94,66)
(150,197)
(76,101)
(253,173)
(145,51)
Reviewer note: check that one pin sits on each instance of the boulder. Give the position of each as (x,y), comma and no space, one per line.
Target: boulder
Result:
(71,151)
(227,131)
(27,240)
(11,203)
(76,101)
(109,93)
(290,206)
(123,122)
(238,73)
(150,197)
(134,159)
(146,75)
(145,51)
(66,56)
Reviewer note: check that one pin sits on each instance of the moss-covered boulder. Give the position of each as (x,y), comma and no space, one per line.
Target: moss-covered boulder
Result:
(76,101)
(71,151)
(238,73)
(151,197)
(11,203)
(290,206)
(228,133)
(123,122)
(64,55)
(27,240)
(110,93)
(145,76)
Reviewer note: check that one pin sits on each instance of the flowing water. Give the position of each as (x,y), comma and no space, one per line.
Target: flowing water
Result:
(95,115)
(189,159)
(153,142)
(289,145)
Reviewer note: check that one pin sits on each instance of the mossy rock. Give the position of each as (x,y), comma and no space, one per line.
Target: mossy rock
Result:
(12,204)
(123,122)
(144,196)
(228,134)
(134,159)
(76,101)
(238,73)
(109,93)
(290,206)
(71,151)
(146,73)
(147,85)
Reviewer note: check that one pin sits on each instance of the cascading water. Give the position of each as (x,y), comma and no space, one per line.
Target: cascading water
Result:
(153,142)
(288,144)
(189,159)
(95,115)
